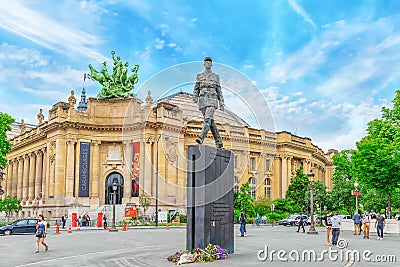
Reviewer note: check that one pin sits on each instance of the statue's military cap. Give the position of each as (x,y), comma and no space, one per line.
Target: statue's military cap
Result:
(208,59)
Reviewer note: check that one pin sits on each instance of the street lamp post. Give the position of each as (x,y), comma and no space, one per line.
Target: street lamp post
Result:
(115,186)
(356,185)
(312,229)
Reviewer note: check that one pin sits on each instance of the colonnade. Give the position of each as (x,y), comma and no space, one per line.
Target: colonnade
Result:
(26,176)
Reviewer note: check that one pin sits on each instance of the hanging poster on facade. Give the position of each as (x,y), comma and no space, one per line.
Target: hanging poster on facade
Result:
(135,169)
(84,169)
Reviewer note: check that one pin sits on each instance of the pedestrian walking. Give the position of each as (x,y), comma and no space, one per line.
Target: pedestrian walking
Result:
(245,222)
(41,230)
(366,222)
(105,221)
(87,220)
(242,221)
(379,225)
(63,220)
(301,224)
(336,223)
(258,220)
(264,219)
(327,222)
(357,220)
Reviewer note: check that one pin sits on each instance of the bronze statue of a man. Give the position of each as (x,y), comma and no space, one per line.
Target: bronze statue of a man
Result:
(207,93)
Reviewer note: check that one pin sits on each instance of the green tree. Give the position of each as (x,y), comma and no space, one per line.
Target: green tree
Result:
(343,182)
(5,145)
(320,197)
(10,204)
(284,205)
(298,189)
(243,201)
(263,205)
(377,158)
(144,201)
(376,200)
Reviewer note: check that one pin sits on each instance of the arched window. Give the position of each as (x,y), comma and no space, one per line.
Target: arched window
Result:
(236,183)
(267,188)
(114,176)
(252,183)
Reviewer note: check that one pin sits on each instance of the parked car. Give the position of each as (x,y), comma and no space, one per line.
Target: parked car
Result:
(293,220)
(345,216)
(22,226)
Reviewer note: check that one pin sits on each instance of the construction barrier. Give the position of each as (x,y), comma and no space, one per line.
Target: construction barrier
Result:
(57,229)
(69,230)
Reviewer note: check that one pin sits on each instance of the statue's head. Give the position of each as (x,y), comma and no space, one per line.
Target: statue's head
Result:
(207,62)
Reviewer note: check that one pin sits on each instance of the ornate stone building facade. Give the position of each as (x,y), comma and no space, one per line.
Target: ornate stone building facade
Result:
(70,161)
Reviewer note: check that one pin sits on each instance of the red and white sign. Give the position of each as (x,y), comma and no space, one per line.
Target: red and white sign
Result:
(356,193)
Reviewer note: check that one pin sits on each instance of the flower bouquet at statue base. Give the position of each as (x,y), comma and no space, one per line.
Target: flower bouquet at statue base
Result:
(207,254)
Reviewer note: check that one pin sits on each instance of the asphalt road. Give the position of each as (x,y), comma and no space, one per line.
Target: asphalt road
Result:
(150,247)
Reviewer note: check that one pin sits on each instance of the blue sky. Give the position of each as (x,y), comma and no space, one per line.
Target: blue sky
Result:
(325,68)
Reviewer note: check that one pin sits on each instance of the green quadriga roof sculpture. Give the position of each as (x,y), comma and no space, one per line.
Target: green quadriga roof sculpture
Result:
(118,84)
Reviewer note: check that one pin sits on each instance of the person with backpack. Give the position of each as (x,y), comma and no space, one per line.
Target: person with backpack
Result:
(327,221)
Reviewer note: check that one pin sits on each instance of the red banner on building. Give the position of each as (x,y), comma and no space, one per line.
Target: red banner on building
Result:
(135,169)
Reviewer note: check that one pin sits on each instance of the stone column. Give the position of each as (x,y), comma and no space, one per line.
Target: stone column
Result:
(284,174)
(276,191)
(38,174)
(95,166)
(18,179)
(44,174)
(14,185)
(25,186)
(52,168)
(128,161)
(70,174)
(289,170)
(60,168)
(32,162)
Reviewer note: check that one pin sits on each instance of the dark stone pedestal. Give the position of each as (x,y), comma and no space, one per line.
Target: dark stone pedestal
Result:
(210,198)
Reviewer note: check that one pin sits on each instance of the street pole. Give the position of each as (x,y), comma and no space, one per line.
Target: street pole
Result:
(114,200)
(115,188)
(357,203)
(158,139)
(356,193)
(312,229)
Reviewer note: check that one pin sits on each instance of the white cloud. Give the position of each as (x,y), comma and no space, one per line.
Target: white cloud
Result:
(47,94)
(299,10)
(40,29)
(159,44)
(164,28)
(356,119)
(346,58)
(10,54)
(248,66)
